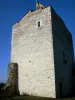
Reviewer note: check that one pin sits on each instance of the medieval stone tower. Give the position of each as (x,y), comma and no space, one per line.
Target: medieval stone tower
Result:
(43,50)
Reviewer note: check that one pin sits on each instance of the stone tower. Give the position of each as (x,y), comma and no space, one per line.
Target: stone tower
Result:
(42,47)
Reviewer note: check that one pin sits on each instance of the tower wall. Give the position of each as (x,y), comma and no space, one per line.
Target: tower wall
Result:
(11,87)
(12,74)
(63,56)
(32,49)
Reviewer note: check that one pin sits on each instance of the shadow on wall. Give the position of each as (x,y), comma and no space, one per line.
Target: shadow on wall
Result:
(73,72)
(63,57)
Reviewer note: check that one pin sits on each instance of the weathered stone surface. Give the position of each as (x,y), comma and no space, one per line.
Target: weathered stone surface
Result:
(13,77)
(12,74)
(63,50)
(38,53)
(32,49)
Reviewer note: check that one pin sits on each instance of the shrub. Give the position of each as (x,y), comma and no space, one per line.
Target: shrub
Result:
(25,94)
(2,85)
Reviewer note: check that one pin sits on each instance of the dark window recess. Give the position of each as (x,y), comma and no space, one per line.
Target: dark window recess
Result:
(65,61)
(73,63)
(73,71)
(39,24)
(64,57)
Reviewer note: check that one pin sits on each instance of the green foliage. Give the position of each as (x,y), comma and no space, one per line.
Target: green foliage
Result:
(25,94)
(35,98)
(2,85)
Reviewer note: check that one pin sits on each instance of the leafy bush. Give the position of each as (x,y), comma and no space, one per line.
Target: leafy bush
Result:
(25,94)
(2,85)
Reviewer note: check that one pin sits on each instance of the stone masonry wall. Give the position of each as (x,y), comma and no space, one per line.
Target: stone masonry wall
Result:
(63,50)
(32,49)
(13,75)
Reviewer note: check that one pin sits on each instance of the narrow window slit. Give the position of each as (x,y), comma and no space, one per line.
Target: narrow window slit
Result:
(39,24)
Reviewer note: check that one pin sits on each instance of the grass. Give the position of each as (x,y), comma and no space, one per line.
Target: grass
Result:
(34,98)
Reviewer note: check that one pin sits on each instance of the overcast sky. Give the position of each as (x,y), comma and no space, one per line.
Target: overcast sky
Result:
(11,11)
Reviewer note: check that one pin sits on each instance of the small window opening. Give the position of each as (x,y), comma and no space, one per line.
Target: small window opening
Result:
(39,24)
(64,57)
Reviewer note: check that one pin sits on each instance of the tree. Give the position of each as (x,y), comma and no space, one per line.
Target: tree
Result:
(2,85)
